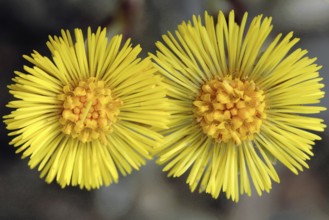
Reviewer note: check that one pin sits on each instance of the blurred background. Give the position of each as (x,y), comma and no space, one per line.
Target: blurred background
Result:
(148,194)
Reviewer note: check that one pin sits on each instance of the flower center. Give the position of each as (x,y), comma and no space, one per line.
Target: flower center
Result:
(89,110)
(230,109)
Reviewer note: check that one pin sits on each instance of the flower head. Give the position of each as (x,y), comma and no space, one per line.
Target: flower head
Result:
(238,102)
(88,112)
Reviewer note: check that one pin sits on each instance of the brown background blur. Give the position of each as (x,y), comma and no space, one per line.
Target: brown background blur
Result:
(148,194)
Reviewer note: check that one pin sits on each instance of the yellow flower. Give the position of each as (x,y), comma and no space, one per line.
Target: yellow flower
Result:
(238,102)
(88,112)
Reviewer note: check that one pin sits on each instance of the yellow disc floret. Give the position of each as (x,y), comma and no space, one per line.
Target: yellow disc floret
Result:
(230,109)
(89,110)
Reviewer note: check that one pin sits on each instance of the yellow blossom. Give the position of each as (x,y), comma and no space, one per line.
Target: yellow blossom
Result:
(89,112)
(239,101)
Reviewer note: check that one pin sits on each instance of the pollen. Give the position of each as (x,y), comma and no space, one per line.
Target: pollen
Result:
(89,110)
(230,109)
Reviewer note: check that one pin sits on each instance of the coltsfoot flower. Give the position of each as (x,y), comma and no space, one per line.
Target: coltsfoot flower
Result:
(239,101)
(89,112)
